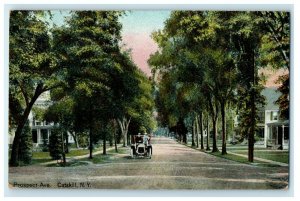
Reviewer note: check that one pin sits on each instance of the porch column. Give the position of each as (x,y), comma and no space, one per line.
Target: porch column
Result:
(266,132)
(38,131)
(282,136)
(276,142)
(48,132)
(271,133)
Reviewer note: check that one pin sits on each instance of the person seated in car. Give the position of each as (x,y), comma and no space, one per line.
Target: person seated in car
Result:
(149,138)
(145,139)
(139,138)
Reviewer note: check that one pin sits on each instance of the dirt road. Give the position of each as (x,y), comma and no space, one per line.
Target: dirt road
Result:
(173,166)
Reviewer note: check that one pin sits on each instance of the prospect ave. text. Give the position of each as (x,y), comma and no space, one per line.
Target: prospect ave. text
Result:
(31,185)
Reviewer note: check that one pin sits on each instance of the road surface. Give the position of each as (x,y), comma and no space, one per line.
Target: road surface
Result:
(173,166)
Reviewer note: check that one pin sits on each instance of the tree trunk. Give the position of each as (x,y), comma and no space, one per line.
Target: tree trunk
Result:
(197,131)
(201,130)
(14,157)
(115,134)
(214,121)
(75,139)
(214,114)
(253,112)
(128,139)
(104,143)
(67,143)
(124,124)
(63,149)
(116,146)
(223,128)
(207,133)
(111,142)
(184,138)
(91,144)
(252,130)
(125,139)
(193,134)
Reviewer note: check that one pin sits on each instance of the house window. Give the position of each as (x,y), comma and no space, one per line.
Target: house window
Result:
(286,133)
(44,133)
(34,135)
(37,123)
(260,133)
(274,115)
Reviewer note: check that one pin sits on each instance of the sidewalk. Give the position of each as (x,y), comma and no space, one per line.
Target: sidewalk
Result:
(81,156)
(261,159)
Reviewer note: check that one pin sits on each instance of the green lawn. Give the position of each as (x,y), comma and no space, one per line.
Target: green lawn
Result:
(279,156)
(79,152)
(274,155)
(40,160)
(74,152)
(231,157)
(99,158)
(121,150)
(242,159)
(40,155)
(110,156)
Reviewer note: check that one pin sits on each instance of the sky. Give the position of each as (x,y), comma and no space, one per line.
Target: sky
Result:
(137,27)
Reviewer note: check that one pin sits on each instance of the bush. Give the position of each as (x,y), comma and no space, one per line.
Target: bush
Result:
(83,140)
(25,149)
(55,144)
(45,146)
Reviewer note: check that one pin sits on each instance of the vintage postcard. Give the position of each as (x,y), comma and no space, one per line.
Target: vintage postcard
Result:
(149,99)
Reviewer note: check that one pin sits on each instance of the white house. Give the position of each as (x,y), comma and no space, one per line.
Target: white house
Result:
(276,131)
(41,130)
(272,132)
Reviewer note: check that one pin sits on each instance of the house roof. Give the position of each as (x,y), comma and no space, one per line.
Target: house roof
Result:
(271,96)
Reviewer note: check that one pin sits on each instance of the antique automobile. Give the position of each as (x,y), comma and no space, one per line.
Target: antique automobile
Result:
(140,146)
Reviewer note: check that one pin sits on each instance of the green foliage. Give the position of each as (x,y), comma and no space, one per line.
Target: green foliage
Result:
(275,47)
(284,100)
(61,112)
(31,59)
(210,59)
(82,139)
(102,83)
(91,59)
(55,144)
(196,67)
(244,109)
(25,150)
(38,113)
(32,68)
(45,144)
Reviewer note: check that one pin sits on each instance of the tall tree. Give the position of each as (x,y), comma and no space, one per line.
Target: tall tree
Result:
(32,68)
(246,38)
(93,38)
